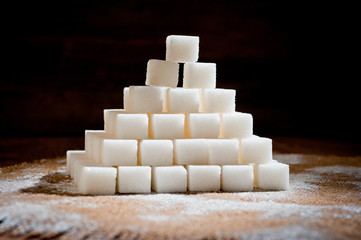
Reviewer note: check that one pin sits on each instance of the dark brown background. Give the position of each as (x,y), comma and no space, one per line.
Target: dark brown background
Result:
(290,62)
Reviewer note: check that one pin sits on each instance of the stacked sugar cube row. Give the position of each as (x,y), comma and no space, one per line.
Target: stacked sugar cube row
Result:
(124,125)
(108,151)
(94,178)
(176,139)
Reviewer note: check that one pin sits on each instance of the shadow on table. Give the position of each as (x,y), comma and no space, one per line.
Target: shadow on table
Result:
(59,183)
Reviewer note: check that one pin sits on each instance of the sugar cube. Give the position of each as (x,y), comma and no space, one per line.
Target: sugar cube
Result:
(97,146)
(71,155)
(204,178)
(167,126)
(181,100)
(255,150)
(77,168)
(117,152)
(97,180)
(236,125)
(202,125)
(92,143)
(162,73)
(223,151)
(126,98)
(169,179)
(255,171)
(272,176)
(110,116)
(182,48)
(146,99)
(199,75)
(255,174)
(135,179)
(156,152)
(218,100)
(190,151)
(131,126)
(237,178)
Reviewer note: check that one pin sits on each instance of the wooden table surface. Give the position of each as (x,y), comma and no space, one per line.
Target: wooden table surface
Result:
(39,200)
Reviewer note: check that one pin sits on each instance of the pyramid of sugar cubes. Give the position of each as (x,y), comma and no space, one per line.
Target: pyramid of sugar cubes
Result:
(176,139)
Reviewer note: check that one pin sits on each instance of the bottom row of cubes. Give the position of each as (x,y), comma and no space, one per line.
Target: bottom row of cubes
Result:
(95,180)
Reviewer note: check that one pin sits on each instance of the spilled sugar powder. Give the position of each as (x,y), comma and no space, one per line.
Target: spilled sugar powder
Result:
(31,216)
(338,169)
(14,185)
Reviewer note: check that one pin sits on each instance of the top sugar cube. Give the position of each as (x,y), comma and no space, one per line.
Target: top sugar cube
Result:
(182,48)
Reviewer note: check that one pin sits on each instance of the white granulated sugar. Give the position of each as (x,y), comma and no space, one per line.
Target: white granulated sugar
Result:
(35,217)
(284,232)
(341,215)
(18,183)
(338,169)
(267,195)
(302,182)
(78,202)
(198,205)
(161,218)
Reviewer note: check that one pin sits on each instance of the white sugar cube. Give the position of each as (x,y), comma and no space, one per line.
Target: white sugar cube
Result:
(116,152)
(121,124)
(181,100)
(190,151)
(77,168)
(167,126)
(169,179)
(135,179)
(162,73)
(255,150)
(255,171)
(98,180)
(218,100)
(223,151)
(146,99)
(236,125)
(156,152)
(126,98)
(272,176)
(202,125)
(182,48)
(131,126)
(110,119)
(97,147)
(204,178)
(237,178)
(92,145)
(71,155)
(199,75)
